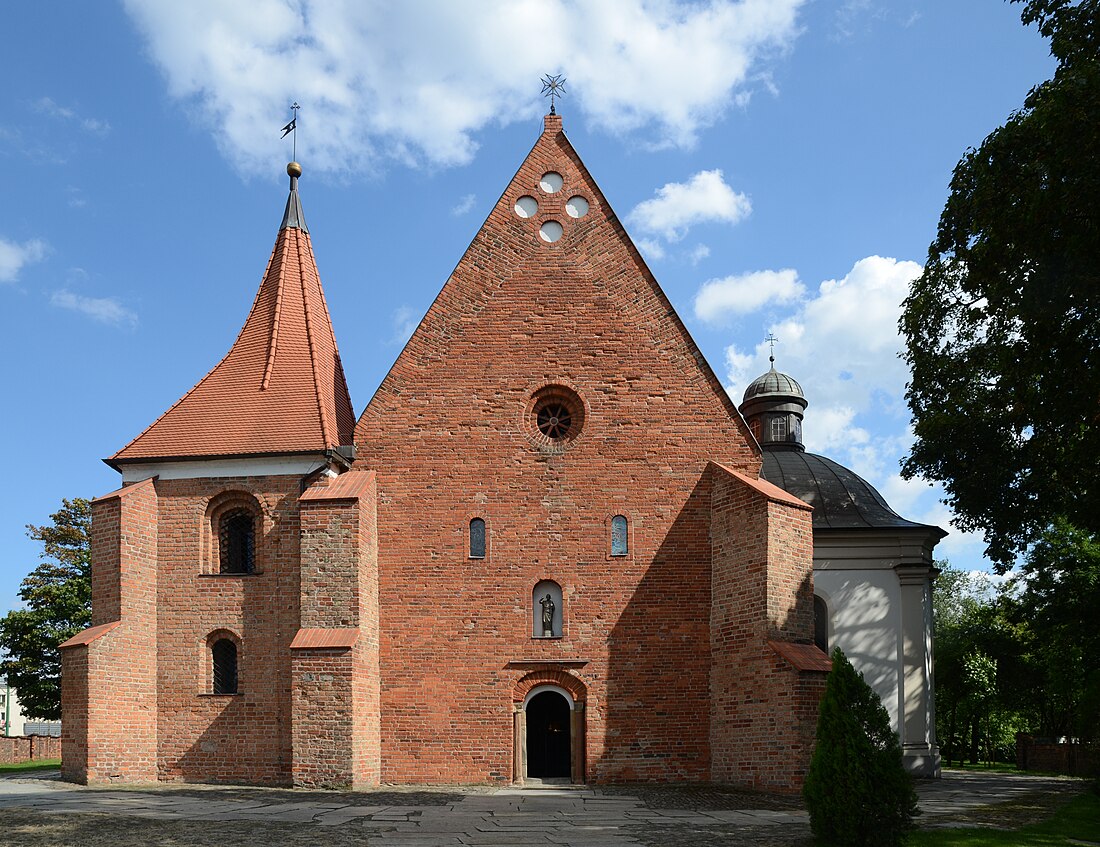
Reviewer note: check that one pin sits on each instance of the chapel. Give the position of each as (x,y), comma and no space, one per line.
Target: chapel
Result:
(550,548)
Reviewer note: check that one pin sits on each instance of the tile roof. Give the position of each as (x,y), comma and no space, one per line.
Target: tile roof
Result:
(321,638)
(280,388)
(87,636)
(805,657)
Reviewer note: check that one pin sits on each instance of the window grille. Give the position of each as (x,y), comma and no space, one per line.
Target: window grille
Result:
(224,656)
(237,542)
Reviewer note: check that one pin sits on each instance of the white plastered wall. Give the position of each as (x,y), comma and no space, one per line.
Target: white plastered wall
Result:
(877,586)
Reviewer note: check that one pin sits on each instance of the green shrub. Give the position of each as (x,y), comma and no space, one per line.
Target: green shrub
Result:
(857,790)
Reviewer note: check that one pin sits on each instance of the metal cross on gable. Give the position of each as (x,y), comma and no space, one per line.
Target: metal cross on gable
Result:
(552,87)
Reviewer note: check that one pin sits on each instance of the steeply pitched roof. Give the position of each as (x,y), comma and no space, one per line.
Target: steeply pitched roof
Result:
(280,388)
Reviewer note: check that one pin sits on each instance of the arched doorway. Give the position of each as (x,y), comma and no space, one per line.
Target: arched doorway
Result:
(549,724)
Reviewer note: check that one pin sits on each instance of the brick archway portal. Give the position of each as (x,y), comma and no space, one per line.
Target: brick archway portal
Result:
(540,723)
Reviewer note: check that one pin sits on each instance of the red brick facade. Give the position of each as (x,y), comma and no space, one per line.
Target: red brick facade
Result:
(373,646)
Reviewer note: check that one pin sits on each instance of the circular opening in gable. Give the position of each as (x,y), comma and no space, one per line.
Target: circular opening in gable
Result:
(550,231)
(551,182)
(556,415)
(526,206)
(576,207)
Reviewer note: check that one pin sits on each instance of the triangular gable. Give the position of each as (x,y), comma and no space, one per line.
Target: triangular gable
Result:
(518,303)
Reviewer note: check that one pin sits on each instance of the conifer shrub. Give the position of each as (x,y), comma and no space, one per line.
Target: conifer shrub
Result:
(857,791)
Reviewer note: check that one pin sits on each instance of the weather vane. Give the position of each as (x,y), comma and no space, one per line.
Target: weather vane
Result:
(289,129)
(770,341)
(553,86)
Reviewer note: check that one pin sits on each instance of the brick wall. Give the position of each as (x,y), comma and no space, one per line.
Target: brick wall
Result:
(244,737)
(28,748)
(336,688)
(450,437)
(1053,757)
(108,681)
(763,710)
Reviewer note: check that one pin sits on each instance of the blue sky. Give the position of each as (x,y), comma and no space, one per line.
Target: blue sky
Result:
(781,164)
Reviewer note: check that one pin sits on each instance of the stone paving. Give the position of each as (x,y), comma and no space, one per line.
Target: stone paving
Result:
(489,817)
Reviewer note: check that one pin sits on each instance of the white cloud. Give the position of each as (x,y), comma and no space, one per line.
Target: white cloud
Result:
(651,248)
(464,205)
(698,253)
(94,126)
(392,81)
(842,346)
(719,299)
(13,256)
(106,310)
(678,206)
(404,321)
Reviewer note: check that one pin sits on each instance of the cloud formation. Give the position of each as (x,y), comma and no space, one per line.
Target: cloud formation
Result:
(382,82)
(678,206)
(720,299)
(842,345)
(94,126)
(14,256)
(106,310)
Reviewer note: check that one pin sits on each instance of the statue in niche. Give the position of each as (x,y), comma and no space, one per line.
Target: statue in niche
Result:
(547,604)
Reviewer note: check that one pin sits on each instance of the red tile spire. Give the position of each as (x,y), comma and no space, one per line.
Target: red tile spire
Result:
(281,387)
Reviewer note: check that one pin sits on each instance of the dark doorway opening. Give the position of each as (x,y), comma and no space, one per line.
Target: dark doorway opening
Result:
(548,736)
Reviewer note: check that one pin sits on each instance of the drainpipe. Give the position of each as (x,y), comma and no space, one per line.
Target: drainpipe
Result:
(7,708)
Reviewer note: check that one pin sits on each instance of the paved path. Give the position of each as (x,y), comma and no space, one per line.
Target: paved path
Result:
(485,817)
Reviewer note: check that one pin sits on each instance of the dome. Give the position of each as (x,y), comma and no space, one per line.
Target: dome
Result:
(841,498)
(773,382)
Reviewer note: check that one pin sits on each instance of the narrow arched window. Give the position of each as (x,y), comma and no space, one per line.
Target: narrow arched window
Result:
(779,428)
(821,624)
(477,539)
(224,657)
(620,545)
(237,541)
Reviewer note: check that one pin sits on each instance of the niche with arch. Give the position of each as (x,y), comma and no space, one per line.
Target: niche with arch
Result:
(546,610)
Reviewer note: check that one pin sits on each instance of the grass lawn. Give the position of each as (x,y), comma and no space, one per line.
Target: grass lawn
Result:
(36,765)
(1076,822)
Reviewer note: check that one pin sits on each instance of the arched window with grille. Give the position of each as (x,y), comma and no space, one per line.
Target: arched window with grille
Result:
(237,541)
(477,538)
(223,655)
(620,543)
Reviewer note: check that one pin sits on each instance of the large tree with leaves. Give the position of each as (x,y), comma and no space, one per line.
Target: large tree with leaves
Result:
(57,595)
(1002,328)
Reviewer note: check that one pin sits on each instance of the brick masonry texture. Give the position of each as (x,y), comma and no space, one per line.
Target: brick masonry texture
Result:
(411,659)
(28,748)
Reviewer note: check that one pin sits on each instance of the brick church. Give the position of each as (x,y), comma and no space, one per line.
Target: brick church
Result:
(543,551)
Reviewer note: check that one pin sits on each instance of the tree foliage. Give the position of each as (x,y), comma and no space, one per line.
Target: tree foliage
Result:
(1022,655)
(857,790)
(1056,607)
(1002,328)
(57,595)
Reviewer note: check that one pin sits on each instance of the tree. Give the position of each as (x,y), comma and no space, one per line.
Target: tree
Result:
(1002,328)
(1056,607)
(57,595)
(857,790)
